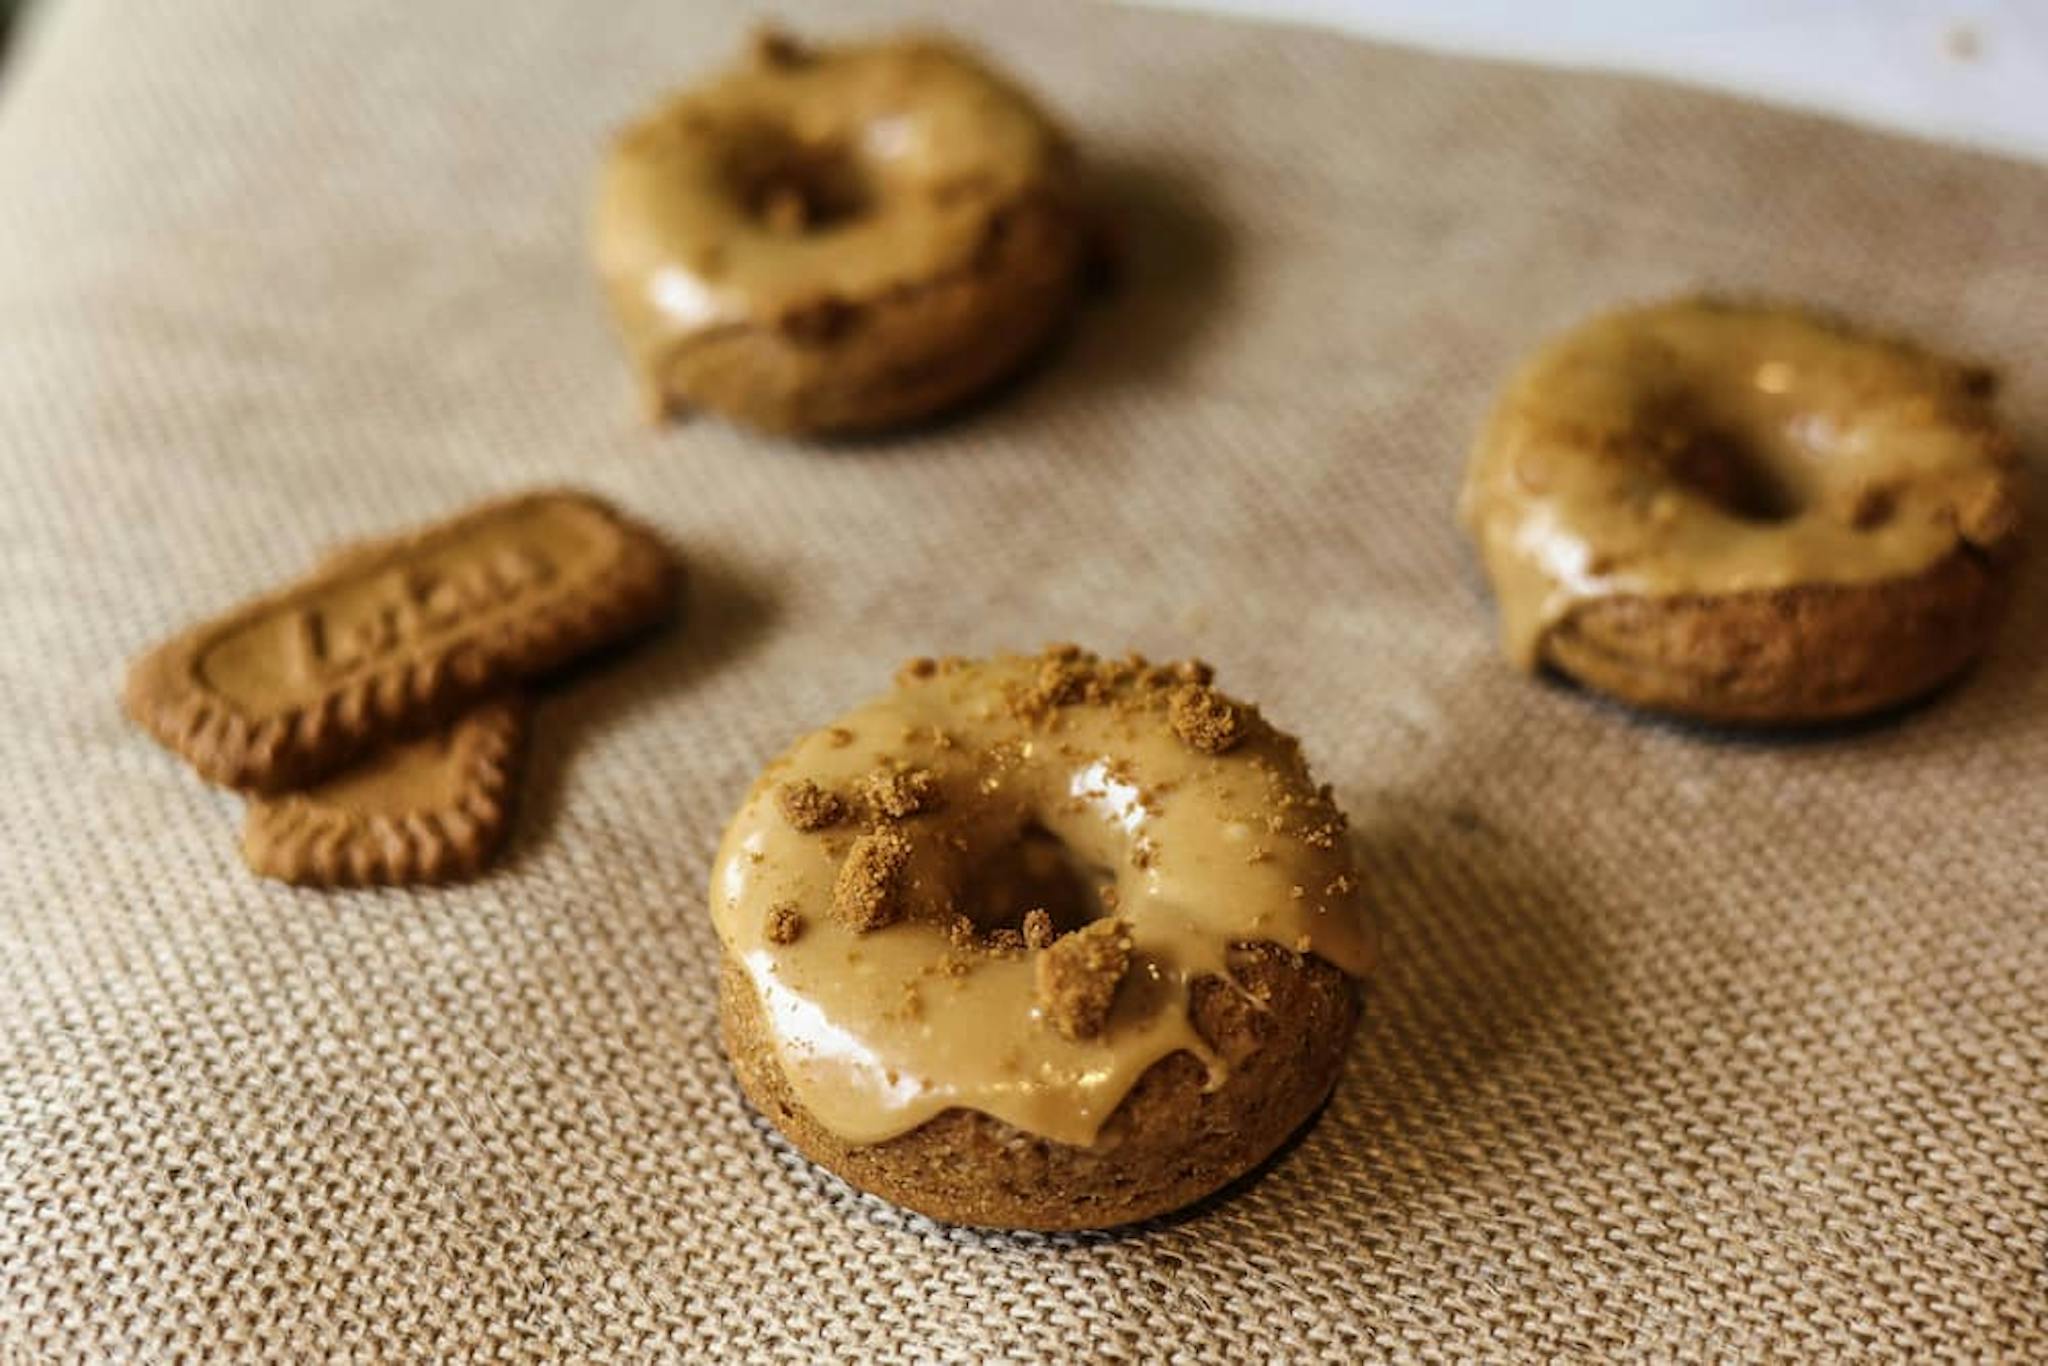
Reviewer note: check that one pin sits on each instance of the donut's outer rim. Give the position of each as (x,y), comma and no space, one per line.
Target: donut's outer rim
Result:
(1805,654)
(1171,1141)
(956,334)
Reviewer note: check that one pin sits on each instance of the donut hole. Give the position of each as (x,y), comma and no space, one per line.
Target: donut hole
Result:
(1738,473)
(1035,871)
(792,187)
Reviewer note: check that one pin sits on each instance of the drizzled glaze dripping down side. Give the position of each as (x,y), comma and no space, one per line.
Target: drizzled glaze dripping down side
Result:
(878,1032)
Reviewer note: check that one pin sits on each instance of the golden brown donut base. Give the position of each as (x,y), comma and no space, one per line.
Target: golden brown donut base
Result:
(1785,657)
(860,367)
(1167,1145)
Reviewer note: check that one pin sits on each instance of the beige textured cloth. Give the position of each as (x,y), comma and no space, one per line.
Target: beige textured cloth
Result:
(1683,1046)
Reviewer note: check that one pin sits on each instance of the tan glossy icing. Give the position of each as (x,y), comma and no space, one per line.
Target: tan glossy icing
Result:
(877,1035)
(1603,468)
(921,142)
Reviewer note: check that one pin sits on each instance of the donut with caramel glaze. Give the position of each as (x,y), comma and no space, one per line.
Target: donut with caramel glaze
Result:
(836,240)
(1745,513)
(1041,941)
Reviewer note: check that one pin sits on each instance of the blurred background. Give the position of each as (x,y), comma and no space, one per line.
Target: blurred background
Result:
(1971,71)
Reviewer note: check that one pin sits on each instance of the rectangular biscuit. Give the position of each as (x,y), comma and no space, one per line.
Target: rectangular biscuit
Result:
(398,634)
(429,809)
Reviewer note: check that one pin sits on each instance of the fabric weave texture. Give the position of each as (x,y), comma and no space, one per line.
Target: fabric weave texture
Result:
(1683,1046)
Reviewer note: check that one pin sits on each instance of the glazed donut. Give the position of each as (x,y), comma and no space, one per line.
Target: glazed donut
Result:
(1745,513)
(837,240)
(1039,941)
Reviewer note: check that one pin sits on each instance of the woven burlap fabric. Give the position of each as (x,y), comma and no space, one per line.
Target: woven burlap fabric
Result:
(1682,1046)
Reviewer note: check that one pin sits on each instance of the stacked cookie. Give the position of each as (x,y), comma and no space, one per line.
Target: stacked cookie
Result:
(370,709)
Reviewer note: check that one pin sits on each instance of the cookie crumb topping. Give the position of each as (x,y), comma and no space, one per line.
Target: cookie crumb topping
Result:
(898,793)
(1204,718)
(868,894)
(1078,976)
(808,807)
(785,923)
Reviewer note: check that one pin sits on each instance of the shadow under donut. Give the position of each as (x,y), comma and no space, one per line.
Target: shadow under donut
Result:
(1159,270)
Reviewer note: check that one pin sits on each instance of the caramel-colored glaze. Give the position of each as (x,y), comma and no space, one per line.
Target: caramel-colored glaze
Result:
(878,1032)
(830,177)
(1708,448)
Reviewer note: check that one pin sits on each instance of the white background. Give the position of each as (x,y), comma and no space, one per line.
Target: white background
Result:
(1972,71)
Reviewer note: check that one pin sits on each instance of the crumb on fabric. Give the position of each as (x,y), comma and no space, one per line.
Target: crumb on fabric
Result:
(808,807)
(898,793)
(785,923)
(868,894)
(1204,718)
(1038,928)
(839,737)
(1078,977)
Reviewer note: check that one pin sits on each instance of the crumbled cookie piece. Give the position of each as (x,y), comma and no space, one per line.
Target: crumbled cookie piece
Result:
(1204,718)
(913,669)
(910,1005)
(961,933)
(808,807)
(773,47)
(1066,675)
(899,793)
(1078,977)
(1062,678)
(1038,929)
(1005,941)
(868,894)
(785,923)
